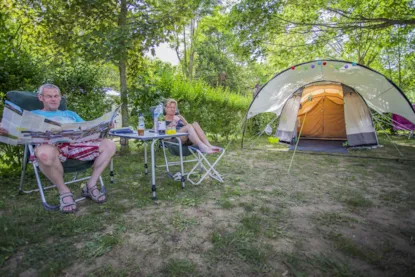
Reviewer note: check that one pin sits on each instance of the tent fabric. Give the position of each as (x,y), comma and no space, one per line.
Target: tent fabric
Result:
(378,92)
(359,124)
(401,123)
(323,105)
(327,111)
(287,124)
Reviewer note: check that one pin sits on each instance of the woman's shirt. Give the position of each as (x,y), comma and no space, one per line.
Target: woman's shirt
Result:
(179,125)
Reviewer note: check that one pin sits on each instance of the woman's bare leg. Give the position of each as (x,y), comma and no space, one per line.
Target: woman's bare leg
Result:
(202,135)
(194,138)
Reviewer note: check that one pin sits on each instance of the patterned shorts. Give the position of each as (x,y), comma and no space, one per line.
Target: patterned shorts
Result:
(83,151)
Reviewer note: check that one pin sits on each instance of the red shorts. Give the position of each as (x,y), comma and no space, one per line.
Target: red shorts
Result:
(83,151)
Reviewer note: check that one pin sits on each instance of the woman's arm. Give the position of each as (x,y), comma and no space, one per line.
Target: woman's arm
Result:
(182,119)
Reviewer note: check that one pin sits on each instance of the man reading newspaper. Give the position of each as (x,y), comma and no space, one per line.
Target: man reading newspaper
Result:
(50,157)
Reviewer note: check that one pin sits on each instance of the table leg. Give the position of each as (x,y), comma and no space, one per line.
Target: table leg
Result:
(145,158)
(181,161)
(153,171)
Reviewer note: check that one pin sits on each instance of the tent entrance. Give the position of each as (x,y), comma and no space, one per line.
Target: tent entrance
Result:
(327,111)
(322,113)
(327,146)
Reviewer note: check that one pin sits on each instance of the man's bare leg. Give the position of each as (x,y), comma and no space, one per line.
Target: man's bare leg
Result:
(48,159)
(107,149)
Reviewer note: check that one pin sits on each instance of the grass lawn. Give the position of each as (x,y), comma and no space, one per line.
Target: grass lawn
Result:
(333,215)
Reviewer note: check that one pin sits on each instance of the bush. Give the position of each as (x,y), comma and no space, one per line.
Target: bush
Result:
(80,83)
(219,111)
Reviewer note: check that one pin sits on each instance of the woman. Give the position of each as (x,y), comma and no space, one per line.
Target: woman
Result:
(196,135)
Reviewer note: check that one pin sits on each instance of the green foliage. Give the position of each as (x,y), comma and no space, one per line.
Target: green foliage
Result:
(217,110)
(83,85)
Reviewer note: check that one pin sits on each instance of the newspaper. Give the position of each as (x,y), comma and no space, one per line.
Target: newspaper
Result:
(25,127)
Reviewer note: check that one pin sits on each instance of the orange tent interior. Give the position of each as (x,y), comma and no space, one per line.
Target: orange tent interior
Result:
(322,112)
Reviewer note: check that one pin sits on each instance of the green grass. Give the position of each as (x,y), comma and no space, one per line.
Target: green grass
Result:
(179,268)
(353,198)
(99,245)
(333,215)
(335,218)
(319,265)
(240,247)
(354,249)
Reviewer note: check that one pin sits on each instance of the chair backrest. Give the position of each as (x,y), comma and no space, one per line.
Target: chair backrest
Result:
(29,101)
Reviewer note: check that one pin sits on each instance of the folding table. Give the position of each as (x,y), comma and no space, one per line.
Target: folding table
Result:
(153,137)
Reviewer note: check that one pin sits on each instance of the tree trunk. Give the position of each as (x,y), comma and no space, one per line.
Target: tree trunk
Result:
(185,53)
(399,66)
(192,50)
(122,66)
(124,98)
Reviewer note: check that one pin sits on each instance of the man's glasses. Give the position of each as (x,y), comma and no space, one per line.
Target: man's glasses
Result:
(51,96)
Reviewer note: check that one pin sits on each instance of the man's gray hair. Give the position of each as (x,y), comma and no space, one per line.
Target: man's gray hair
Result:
(40,90)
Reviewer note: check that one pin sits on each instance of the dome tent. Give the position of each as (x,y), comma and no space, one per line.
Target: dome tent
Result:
(332,98)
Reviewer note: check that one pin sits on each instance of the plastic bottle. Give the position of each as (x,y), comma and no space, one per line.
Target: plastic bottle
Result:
(141,125)
(156,120)
(161,121)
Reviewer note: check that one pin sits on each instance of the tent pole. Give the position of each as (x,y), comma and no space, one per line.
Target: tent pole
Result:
(260,133)
(393,121)
(296,144)
(394,144)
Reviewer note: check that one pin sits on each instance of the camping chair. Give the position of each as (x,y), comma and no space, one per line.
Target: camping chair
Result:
(202,168)
(29,101)
(202,164)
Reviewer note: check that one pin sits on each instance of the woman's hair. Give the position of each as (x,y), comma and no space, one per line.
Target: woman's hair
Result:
(168,101)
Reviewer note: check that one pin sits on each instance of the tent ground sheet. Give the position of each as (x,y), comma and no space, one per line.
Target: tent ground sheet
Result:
(330,146)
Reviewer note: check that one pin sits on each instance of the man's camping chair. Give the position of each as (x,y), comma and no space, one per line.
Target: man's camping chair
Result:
(202,167)
(29,101)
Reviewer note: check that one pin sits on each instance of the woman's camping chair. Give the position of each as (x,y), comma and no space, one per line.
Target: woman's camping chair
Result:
(29,101)
(202,167)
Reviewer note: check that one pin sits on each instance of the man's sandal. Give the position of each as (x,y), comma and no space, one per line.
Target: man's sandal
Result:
(89,193)
(64,203)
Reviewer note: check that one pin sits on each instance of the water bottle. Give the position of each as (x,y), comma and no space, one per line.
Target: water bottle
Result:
(141,125)
(156,120)
(161,121)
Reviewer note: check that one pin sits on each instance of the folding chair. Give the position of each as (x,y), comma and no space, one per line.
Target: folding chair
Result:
(173,148)
(206,166)
(29,101)
(202,165)
(202,168)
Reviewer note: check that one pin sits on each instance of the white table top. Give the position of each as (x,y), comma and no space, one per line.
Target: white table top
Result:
(147,135)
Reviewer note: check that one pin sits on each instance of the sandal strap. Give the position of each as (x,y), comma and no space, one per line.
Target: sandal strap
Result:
(90,190)
(65,195)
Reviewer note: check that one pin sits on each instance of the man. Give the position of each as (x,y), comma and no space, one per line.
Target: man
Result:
(50,157)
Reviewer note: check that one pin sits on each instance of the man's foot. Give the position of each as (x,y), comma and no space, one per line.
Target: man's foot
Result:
(67,203)
(94,194)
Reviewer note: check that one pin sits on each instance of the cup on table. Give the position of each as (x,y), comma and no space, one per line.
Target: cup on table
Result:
(171,130)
